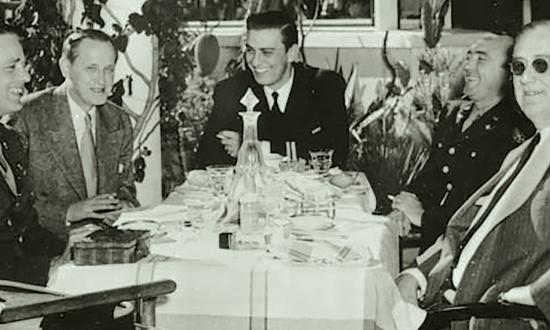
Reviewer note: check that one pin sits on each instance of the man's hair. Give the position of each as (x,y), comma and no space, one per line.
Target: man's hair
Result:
(275,20)
(70,45)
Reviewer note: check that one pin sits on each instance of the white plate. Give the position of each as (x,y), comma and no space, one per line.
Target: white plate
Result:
(311,222)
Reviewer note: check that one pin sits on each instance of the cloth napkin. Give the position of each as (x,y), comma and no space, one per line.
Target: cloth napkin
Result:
(326,248)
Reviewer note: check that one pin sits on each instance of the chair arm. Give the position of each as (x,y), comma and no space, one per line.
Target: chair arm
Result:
(442,317)
(65,304)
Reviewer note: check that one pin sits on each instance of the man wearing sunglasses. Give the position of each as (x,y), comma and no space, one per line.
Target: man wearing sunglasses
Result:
(495,246)
(469,144)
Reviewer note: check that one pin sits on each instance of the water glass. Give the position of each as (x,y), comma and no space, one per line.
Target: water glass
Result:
(321,160)
(220,176)
(318,202)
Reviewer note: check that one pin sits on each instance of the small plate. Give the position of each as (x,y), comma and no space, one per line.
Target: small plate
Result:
(311,222)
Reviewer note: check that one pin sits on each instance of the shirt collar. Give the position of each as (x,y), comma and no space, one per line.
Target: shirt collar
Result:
(77,111)
(283,92)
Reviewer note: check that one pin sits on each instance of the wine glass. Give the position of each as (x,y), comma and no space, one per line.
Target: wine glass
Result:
(220,176)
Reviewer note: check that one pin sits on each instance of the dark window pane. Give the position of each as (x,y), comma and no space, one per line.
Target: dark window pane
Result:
(489,15)
(540,9)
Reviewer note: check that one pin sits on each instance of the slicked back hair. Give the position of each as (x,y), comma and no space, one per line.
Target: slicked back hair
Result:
(71,43)
(275,19)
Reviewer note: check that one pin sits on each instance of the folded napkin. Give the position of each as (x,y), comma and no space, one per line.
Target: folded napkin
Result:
(325,249)
(159,213)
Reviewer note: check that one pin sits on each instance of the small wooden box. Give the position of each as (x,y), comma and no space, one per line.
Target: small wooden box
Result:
(111,246)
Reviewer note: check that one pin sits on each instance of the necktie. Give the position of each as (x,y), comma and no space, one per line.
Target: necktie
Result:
(275,110)
(87,157)
(7,173)
(498,194)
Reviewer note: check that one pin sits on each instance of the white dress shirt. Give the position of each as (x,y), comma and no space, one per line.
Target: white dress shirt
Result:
(283,91)
(79,122)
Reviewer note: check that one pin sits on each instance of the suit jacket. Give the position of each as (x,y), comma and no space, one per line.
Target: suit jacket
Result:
(26,247)
(315,116)
(514,253)
(55,166)
(460,162)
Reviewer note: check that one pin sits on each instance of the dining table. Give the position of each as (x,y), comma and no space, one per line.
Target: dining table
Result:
(338,277)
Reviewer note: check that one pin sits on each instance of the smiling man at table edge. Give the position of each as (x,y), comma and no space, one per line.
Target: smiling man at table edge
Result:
(80,145)
(496,244)
(469,144)
(298,102)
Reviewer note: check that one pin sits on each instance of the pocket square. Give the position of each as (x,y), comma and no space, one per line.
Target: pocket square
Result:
(120,168)
(316,130)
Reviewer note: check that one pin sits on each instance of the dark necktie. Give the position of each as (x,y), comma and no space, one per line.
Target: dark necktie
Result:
(275,110)
(88,159)
(498,194)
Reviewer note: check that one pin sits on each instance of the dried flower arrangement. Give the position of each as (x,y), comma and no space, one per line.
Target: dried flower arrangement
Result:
(392,137)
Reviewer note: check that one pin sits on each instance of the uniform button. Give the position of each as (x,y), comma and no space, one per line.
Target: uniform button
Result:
(17,204)
(20,239)
(8,222)
(449,186)
(452,151)
(473,154)
(439,145)
(445,169)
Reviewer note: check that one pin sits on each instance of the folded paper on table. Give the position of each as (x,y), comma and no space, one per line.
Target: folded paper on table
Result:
(159,213)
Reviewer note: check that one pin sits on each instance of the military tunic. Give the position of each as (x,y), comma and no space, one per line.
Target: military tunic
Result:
(26,247)
(460,162)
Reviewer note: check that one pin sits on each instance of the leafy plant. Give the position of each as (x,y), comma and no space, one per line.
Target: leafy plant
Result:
(392,137)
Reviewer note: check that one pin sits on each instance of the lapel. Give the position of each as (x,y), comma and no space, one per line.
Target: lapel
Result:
(59,131)
(486,188)
(297,98)
(485,124)
(108,141)
(526,181)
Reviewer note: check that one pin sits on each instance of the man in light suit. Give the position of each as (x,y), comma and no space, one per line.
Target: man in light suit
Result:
(497,244)
(79,144)
(297,102)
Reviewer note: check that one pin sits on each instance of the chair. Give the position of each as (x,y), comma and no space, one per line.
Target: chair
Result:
(28,304)
(442,317)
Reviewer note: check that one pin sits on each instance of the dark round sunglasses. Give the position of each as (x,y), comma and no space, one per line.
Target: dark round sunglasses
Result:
(518,66)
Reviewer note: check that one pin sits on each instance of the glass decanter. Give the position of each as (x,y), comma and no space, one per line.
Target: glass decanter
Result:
(250,168)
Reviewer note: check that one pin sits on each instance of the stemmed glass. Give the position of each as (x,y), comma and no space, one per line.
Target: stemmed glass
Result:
(220,176)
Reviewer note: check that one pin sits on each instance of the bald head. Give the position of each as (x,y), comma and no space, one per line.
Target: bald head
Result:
(486,71)
(531,61)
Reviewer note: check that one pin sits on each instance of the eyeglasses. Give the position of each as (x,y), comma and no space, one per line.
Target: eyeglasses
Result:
(518,66)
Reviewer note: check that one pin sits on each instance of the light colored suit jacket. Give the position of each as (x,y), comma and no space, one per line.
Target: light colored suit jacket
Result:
(515,252)
(55,167)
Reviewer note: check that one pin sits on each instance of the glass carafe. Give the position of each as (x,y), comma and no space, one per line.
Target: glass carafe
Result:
(250,168)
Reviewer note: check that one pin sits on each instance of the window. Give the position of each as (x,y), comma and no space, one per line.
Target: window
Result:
(227,10)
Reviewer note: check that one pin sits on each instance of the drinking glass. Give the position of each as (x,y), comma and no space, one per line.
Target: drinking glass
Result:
(220,176)
(321,160)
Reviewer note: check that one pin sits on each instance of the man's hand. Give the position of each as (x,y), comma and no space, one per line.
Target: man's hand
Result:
(408,287)
(401,221)
(519,295)
(410,205)
(90,208)
(231,142)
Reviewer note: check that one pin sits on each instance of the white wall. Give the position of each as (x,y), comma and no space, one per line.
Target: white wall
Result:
(139,51)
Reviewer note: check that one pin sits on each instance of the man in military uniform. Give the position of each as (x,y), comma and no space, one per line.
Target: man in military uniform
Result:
(26,248)
(469,144)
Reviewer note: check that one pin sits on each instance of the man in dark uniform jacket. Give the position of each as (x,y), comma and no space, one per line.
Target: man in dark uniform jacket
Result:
(469,144)
(25,254)
(309,109)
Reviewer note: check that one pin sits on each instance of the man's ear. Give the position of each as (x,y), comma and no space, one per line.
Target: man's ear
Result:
(64,66)
(293,53)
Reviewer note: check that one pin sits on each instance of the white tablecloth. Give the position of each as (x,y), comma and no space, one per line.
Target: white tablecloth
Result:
(225,289)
